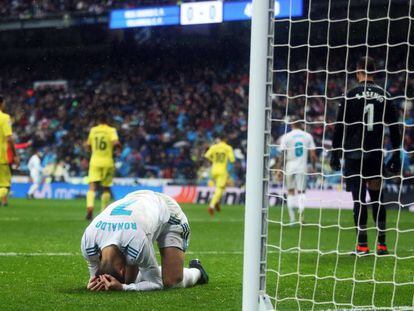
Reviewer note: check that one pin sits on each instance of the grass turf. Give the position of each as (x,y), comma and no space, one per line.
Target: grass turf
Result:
(48,272)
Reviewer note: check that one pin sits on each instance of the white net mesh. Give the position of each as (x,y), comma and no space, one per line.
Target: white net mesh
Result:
(308,264)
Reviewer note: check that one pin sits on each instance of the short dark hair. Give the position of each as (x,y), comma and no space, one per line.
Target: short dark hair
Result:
(106,267)
(103,117)
(367,65)
(1,99)
(220,135)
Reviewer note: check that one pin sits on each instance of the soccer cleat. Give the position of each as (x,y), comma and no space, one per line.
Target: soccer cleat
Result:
(361,250)
(211,211)
(382,249)
(217,207)
(195,263)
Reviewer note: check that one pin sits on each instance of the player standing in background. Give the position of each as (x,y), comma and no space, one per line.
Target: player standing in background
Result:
(5,200)
(118,245)
(219,154)
(6,141)
(295,147)
(359,134)
(101,141)
(35,168)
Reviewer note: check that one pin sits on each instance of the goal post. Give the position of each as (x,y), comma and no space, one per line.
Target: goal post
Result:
(258,135)
(300,72)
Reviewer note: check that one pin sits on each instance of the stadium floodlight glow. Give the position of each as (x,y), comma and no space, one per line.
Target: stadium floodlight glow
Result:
(206,12)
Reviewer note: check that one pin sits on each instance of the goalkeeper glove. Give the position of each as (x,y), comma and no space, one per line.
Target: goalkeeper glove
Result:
(393,165)
(335,163)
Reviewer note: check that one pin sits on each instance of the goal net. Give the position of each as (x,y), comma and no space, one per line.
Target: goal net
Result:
(310,64)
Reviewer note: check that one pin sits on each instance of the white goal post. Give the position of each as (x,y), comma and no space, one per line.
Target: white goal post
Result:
(302,67)
(260,102)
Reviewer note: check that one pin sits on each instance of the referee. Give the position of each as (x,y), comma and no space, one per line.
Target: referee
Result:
(359,138)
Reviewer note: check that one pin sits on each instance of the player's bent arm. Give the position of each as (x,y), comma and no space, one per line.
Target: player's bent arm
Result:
(10,142)
(142,286)
(278,164)
(150,276)
(92,258)
(209,155)
(141,283)
(231,155)
(87,146)
(117,146)
(88,143)
(93,266)
(391,115)
(339,128)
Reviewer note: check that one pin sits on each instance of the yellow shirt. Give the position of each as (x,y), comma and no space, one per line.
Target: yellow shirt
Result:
(101,140)
(220,154)
(5,131)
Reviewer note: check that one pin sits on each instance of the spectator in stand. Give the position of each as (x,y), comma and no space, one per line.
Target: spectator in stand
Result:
(166,114)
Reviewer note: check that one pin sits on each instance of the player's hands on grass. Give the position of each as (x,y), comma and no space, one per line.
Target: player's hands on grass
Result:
(110,282)
(96,284)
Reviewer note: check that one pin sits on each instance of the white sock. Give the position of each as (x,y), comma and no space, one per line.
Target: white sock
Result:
(190,277)
(290,206)
(301,202)
(33,189)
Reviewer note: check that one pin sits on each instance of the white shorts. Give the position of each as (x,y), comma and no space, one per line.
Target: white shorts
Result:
(36,178)
(176,233)
(296,182)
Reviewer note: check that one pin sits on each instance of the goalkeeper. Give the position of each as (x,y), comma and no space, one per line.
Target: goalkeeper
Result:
(359,134)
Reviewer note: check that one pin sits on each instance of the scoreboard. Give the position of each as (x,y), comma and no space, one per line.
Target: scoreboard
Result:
(196,13)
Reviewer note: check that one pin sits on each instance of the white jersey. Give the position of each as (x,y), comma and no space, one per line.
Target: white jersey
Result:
(132,224)
(35,167)
(297,144)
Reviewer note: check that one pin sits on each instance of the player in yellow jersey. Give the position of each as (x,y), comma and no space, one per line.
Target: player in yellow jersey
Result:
(102,140)
(6,141)
(219,155)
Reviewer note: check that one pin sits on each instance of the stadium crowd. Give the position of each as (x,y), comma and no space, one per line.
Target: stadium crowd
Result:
(167,114)
(165,117)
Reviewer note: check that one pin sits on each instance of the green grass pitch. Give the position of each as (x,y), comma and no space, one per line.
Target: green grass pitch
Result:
(41,267)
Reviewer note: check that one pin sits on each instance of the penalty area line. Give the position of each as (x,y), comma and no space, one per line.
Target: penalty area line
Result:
(13,254)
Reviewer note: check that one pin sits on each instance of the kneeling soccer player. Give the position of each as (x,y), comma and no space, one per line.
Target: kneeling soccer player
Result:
(118,245)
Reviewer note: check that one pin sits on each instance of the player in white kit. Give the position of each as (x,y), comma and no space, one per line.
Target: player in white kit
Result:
(295,146)
(118,245)
(35,168)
